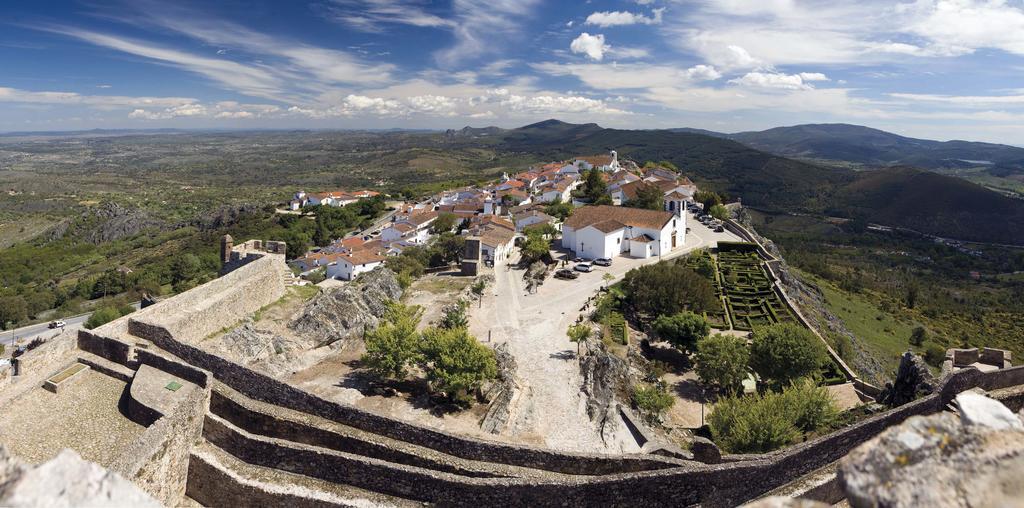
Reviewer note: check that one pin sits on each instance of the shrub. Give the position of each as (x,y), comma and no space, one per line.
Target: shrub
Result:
(395,344)
(456,363)
(761,423)
(722,361)
(454,316)
(404,280)
(652,401)
(102,316)
(919,336)
(668,288)
(578,334)
(934,354)
(784,352)
(682,330)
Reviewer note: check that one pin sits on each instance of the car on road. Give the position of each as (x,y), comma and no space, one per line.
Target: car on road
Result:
(583,267)
(57,324)
(566,273)
(603,262)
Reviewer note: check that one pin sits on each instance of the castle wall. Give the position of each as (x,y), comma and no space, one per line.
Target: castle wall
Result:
(197,313)
(158,461)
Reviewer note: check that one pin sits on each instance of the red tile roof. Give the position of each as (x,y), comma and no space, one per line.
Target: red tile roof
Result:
(637,217)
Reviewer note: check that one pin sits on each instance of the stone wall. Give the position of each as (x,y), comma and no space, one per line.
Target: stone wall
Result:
(36,365)
(197,313)
(158,461)
(211,485)
(99,344)
(266,389)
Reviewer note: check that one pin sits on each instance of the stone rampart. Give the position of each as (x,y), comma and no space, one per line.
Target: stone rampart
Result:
(34,366)
(158,460)
(266,389)
(199,312)
(99,343)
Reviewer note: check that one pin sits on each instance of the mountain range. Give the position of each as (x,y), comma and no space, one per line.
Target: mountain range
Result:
(896,194)
(876,148)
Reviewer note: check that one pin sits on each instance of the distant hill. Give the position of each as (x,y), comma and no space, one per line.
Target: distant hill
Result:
(896,196)
(932,203)
(873,147)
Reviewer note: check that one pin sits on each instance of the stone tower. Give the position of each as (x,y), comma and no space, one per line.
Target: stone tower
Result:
(226,244)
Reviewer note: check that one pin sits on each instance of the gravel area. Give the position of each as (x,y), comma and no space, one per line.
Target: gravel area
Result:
(551,410)
(84,416)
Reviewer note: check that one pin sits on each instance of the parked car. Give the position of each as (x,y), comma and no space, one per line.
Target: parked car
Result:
(566,273)
(720,229)
(583,267)
(603,261)
(57,324)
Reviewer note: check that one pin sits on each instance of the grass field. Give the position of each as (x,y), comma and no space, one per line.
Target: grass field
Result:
(884,334)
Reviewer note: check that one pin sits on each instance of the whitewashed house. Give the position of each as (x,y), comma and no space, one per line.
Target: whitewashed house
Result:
(593,232)
(349,266)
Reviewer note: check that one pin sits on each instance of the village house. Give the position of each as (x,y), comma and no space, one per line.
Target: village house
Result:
(497,243)
(414,228)
(608,162)
(560,190)
(593,232)
(532,218)
(349,266)
(335,198)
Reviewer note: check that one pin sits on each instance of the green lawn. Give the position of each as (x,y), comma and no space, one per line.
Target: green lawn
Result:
(884,334)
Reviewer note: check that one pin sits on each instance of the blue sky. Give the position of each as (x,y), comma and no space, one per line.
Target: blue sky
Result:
(941,69)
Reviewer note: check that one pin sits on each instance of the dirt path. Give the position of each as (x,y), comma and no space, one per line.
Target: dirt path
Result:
(551,409)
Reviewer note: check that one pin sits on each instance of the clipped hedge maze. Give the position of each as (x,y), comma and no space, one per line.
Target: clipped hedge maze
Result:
(747,291)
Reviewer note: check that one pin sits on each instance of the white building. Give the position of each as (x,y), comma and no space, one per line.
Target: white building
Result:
(350,265)
(496,243)
(593,232)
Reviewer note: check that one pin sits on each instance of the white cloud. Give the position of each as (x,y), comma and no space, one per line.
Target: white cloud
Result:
(484,27)
(703,73)
(779,80)
(621,76)
(551,104)
(591,45)
(622,52)
(962,26)
(373,15)
(606,19)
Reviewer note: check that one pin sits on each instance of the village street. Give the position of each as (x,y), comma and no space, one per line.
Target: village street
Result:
(550,409)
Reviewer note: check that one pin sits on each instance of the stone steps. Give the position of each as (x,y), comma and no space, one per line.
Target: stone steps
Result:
(311,430)
(217,478)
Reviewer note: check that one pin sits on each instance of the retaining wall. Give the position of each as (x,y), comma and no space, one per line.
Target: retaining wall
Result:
(211,485)
(266,389)
(201,311)
(158,461)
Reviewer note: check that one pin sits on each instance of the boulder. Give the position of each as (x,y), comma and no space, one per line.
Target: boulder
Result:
(974,459)
(66,481)
(913,380)
(346,312)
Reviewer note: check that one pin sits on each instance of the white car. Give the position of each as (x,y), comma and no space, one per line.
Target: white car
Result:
(583,267)
(57,324)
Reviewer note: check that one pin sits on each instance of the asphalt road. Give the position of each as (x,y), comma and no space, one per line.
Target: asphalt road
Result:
(25,334)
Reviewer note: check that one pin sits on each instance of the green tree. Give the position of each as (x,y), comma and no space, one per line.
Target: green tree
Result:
(652,401)
(322,235)
(595,189)
(703,264)
(102,316)
(919,336)
(579,334)
(707,198)
(298,243)
(444,223)
(719,212)
(454,316)
(648,196)
(721,361)
(13,309)
(912,294)
(406,263)
(559,209)
(395,344)
(185,267)
(534,248)
(784,352)
(763,422)
(934,354)
(667,288)
(456,363)
(682,330)
(446,248)
(111,282)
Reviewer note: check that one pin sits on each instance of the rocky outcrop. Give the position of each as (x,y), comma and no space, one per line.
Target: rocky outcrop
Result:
(105,223)
(604,377)
(65,480)
(227,215)
(912,380)
(974,459)
(349,310)
(260,349)
(501,393)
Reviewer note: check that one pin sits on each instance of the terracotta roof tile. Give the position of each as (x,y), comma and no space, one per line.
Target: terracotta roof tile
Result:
(638,217)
